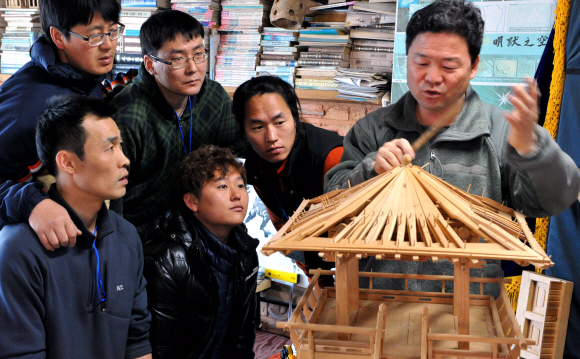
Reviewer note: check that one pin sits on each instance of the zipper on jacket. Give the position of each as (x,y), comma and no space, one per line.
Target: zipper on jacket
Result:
(92,279)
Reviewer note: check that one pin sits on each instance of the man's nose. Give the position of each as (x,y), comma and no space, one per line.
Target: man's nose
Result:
(433,75)
(271,135)
(191,65)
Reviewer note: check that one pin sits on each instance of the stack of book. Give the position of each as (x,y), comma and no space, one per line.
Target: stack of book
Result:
(208,13)
(333,17)
(133,14)
(278,53)
(239,46)
(372,31)
(21,30)
(360,85)
(205,11)
(326,49)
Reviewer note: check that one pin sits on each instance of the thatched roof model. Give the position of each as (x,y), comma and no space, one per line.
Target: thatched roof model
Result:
(409,214)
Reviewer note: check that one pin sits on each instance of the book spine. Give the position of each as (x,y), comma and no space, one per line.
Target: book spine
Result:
(319,62)
(278,29)
(306,87)
(278,57)
(375,43)
(372,62)
(372,48)
(330,6)
(122,58)
(320,82)
(277,63)
(357,19)
(278,38)
(331,49)
(281,75)
(371,55)
(275,43)
(14,48)
(135,13)
(283,69)
(372,68)
(315,31)
(321,55)
(279,49)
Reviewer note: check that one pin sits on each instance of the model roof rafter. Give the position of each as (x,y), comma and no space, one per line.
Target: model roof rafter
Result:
(409,214)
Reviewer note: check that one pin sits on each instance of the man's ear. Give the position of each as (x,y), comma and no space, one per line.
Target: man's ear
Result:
(191,201)
(474,68)
(66,162)
(57,37)
(148,62)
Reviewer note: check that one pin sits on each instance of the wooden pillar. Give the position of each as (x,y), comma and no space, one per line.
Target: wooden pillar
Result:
(346,284)
(461,299)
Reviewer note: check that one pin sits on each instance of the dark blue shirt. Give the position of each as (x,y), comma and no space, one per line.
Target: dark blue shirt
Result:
(49,306)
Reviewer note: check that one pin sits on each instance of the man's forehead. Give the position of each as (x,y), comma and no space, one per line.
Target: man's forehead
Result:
(440,41)
(219,175)
(102,128)
(97,22)
(181,43)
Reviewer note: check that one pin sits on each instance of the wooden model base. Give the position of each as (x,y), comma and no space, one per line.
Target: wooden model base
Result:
(404,324)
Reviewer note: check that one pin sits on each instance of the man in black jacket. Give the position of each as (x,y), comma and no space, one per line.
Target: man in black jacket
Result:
(200,263)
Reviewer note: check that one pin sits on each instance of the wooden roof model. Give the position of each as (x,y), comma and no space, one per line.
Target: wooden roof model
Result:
(409,214)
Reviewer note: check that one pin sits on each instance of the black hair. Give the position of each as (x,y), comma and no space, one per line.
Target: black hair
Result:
(60,126)
(165,26)
(265,85)
(200,166)
(66,14)
(452,16)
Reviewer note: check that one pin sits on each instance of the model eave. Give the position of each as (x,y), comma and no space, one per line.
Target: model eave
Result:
(409,214)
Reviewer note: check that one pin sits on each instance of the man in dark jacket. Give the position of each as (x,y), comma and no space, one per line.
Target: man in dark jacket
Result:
(73,55)
(201,265)
(88,301)
(286,158)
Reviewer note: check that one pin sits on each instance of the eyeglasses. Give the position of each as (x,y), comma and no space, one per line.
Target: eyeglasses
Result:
(181,62)
(97,39)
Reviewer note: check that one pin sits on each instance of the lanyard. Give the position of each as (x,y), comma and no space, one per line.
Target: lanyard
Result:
(100,286)
(190,127)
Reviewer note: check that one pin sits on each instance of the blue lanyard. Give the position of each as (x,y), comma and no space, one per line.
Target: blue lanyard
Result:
(100,286)
(190,127)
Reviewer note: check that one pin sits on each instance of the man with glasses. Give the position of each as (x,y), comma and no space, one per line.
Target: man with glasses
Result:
(73,56)
(169,110)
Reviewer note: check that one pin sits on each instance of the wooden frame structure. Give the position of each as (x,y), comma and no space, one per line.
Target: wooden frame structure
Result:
(405,214)
(542,313)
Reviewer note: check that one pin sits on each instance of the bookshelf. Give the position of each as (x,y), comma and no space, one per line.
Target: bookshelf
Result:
(310,95)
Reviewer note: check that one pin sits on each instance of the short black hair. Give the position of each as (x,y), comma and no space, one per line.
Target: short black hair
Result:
(66,14)
(61,126)
(265,85)
(452,16)
(200,166)
(165,26)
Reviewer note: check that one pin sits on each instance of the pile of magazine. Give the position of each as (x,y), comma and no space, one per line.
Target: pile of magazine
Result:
(361,85)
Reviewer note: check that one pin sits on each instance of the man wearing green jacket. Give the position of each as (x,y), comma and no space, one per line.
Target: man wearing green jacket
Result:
(168,111)
(504,156)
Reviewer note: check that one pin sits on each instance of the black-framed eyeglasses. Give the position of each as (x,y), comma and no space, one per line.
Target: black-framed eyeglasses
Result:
(181,62)
(97,39)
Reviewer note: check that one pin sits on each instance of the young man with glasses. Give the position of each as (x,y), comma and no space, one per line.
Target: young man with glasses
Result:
(168,111)
(73,56)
